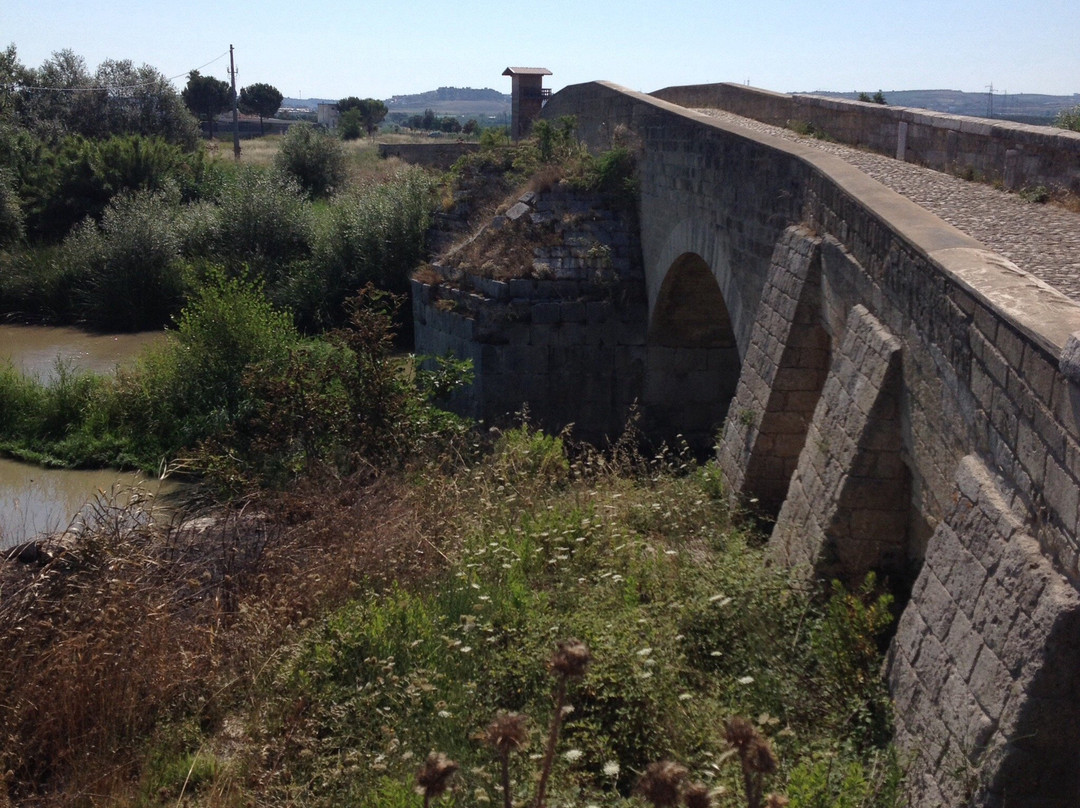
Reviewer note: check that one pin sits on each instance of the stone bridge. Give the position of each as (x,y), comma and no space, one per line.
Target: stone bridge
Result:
(902,400)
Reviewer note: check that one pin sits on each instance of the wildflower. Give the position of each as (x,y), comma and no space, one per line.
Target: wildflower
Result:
(660,783)
(434,778)
(611,768)
(572,755)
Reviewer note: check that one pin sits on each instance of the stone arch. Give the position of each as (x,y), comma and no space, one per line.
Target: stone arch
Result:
(693,359)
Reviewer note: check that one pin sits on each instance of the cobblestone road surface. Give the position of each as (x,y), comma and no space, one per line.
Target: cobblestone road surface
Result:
(1041,239)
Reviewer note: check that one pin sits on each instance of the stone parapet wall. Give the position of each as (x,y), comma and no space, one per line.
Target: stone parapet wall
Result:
(1016,155)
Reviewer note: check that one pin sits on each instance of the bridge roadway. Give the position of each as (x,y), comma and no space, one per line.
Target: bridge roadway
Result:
(1041,239)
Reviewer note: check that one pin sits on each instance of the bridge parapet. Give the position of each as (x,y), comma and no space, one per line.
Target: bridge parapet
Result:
(1014,154)
(941,357)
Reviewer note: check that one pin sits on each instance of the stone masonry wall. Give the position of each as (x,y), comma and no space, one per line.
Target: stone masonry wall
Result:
(567,343)
(943,355)
(985,666)
(1018,155)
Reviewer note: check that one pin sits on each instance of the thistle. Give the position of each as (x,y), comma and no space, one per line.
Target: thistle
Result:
(755,755)
(661,782)
(569,661)
(434,778)
(507,733)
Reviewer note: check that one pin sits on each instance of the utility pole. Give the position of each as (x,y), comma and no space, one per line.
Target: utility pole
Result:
(990,102)
(235,108)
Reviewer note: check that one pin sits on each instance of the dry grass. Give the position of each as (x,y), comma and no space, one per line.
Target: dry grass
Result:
(133,623)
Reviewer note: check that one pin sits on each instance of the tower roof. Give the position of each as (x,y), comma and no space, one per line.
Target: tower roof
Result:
(526,71)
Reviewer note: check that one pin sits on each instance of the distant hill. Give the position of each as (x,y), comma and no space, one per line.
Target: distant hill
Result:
(1024,107)
(444,101)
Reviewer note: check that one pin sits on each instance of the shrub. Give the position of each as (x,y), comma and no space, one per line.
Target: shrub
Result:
(130,265)
(314,158)
(1069,119)
(12,226)
(262,222)
(375,235)
(191,387)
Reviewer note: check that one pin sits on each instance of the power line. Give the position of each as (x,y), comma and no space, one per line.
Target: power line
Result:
(119,86)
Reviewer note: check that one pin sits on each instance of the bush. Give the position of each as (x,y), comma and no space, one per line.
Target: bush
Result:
(192,387)
(314,158)
(262,222)
(12,226)
(1069,119)
(375,235)
(130,266)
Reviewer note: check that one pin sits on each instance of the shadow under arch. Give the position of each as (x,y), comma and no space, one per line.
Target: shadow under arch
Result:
(693,361)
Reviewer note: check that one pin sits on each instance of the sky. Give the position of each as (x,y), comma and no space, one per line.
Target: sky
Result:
(332,48)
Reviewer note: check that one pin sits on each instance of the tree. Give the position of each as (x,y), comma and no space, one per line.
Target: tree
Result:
(471,127)
(314,157)
(260,99)
(207,97)
(141,101)
(367,113)
(879,98)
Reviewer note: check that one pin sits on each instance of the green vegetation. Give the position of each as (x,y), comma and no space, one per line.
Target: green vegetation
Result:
(320,664)
(260,99)
(1069,119)
(207,97)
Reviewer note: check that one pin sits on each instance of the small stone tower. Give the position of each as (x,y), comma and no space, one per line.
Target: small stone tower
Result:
(527,96)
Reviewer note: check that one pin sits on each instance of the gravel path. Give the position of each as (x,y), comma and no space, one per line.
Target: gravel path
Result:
(1041,239)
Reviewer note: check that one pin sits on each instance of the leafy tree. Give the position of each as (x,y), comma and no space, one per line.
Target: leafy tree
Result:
(260,99)
(61,98)
(879,98)
(450,124)
(865,98)
(140,101)
(471,127)
(207,97)
(357,113)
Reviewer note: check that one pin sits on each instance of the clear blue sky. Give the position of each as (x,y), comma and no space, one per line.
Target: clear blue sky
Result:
(331,49)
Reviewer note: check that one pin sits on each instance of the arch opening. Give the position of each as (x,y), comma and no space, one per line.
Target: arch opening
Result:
(693,360)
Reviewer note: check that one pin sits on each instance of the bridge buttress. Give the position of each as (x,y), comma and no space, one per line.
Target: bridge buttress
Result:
(847,508)
(985,664)
(783,372)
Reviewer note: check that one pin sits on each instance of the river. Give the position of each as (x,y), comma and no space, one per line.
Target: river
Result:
(36,500)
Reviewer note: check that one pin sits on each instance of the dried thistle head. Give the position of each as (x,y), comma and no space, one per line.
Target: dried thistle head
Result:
(739,732)
(776,801)
(660,783)
(697,796)
(759,756)
(570,659)
(434,777)
(507,732)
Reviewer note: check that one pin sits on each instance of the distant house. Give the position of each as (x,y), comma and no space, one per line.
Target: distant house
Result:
(328,115)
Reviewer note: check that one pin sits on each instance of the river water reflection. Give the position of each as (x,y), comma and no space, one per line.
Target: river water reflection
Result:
(35,500)
(35,349)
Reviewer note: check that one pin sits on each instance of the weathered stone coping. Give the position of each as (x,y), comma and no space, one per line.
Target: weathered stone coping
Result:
(1034,308)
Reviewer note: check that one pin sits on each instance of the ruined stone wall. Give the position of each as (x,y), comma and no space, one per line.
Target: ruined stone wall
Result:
(919,356)
(567,341)
(1017,155)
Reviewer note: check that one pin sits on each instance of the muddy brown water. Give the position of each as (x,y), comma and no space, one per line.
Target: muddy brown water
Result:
(35,501)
